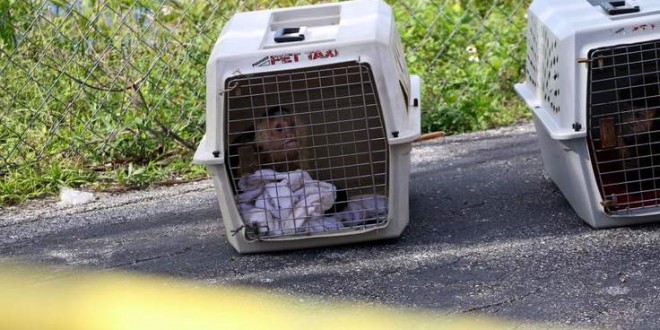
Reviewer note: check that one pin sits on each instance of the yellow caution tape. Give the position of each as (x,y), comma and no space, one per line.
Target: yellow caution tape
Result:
(38,298)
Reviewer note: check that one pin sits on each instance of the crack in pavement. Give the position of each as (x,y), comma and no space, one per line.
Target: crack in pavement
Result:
(500,303)
(143,260)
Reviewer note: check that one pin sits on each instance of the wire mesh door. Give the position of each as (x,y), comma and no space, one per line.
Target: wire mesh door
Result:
(622,107)
(306,151)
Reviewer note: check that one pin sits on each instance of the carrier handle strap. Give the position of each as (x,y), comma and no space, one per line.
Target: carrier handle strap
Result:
(290,34)
(618,7)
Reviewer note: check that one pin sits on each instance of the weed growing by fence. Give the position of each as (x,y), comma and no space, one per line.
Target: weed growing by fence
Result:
(109,94)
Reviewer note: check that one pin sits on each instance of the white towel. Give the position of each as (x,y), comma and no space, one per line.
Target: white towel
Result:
(284,203)
(363,208)
(324,224)
(260,219)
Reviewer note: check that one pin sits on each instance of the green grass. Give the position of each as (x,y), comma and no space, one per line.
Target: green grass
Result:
(101,98)
(469,60)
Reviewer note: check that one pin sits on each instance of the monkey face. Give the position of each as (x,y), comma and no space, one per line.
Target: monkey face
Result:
(282,134)
(279,142)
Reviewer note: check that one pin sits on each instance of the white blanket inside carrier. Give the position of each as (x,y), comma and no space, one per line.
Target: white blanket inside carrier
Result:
(288,203)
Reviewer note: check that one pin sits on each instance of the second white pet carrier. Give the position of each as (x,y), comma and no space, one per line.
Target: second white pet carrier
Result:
(593,71)
(309,123)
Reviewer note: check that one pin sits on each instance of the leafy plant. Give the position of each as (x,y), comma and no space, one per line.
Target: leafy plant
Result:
(110,94)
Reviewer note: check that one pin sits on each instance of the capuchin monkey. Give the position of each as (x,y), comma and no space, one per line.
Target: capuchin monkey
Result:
(281,141)
(278,141)
(639,144)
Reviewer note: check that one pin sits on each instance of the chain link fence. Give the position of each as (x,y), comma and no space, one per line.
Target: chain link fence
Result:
(109,94)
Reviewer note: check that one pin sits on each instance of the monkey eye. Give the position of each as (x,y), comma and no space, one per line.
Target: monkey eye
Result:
(278,127)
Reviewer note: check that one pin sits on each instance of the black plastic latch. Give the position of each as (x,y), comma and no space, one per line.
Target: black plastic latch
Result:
(577,126)
(290,34)
(618,7)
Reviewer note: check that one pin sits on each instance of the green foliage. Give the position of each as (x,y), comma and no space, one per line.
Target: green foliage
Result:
(469,55)
(110,94)
(30,182)
(101,91)
(6,26)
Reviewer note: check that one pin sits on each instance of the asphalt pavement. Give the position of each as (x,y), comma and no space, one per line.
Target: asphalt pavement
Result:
(489,234)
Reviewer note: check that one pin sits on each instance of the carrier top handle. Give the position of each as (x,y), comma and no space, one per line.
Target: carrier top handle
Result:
(289,34)
(618,7)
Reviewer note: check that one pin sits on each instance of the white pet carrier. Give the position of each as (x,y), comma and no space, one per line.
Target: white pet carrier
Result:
(310,117)
(592,85)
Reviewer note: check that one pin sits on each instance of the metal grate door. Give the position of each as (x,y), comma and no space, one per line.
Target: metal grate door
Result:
(335,114)
(623,132)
